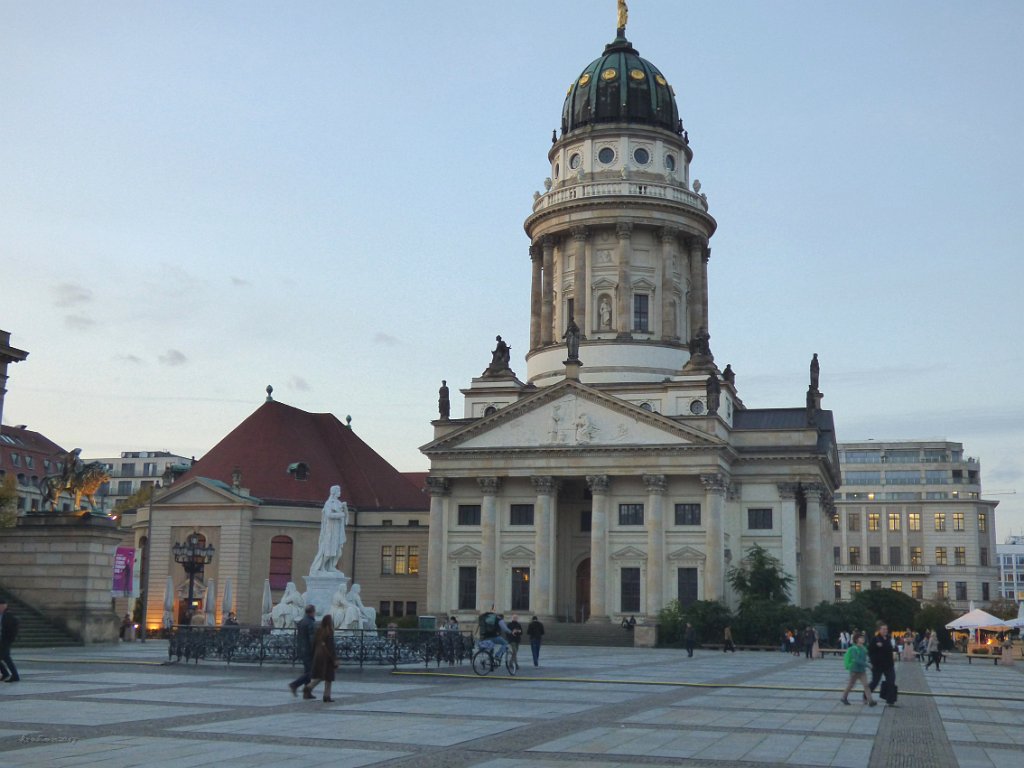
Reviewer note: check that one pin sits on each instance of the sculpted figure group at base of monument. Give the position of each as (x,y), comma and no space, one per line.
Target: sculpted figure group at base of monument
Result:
(291,608)
(332,533)
(348,611)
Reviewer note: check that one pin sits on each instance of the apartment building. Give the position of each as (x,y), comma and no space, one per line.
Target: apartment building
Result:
(1011,568)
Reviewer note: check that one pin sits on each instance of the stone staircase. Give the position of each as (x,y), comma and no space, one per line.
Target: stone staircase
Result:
(606,635)
(34,629)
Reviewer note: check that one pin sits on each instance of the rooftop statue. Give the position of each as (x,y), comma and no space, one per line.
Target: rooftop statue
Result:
(815,369)
(572,339)
(500,358)
(623,15)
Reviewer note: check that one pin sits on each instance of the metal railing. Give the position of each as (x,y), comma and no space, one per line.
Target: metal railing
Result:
(375,647)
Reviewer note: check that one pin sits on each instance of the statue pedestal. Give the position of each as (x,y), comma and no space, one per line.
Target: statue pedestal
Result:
(320,588)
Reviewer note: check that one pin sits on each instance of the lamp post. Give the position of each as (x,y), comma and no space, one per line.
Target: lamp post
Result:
(193,557)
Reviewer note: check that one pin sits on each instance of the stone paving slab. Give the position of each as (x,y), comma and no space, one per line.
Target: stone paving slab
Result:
(47,711)
(497,707)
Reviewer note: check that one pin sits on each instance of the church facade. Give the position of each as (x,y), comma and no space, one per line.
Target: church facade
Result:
(624,471)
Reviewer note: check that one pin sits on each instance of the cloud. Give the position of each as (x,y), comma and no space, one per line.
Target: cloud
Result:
(69,294)
(134,359)
(297,382)
(385,339)
(240,282)
(173,357)
(79,322)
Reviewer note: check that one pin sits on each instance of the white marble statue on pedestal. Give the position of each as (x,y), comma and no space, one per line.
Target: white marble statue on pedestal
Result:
(332,533)
(348,611)
(291,608)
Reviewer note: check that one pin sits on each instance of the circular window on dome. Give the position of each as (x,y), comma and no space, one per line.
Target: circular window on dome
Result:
(670,162)
(660,80)
(575,160)
(696,407)
(609,74)
(642,156)
(585,79)
(606,155)
(637,74)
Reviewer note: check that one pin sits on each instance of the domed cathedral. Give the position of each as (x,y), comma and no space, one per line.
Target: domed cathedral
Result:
(625,471)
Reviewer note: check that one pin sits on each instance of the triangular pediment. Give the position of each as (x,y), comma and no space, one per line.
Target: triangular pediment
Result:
(687,553)
(571,416)
(465,552)
(629,553)
(517,553)
(203,491)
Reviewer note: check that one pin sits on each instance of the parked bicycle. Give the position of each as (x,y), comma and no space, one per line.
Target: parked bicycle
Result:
(487,658)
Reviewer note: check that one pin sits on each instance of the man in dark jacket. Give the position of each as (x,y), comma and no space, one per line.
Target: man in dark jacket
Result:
(8,634)
(690,638)
(882,663)
(305,632)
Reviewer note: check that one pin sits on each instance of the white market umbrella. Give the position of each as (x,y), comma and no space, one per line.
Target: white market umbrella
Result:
(225,601)
(976,619)
(210,603)
(268,601)
(168,619)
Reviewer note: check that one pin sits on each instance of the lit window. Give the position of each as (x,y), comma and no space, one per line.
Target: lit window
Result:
(914,521)
(387,560)
(873,518)
(982,522)
(959,555)
(940,556)
(958,521)
(916,556)
(854,587)
(896,585)
(894,521)
(917,590)
(940,521)
(414,560)
(854,555)
(401,564)
(942,589)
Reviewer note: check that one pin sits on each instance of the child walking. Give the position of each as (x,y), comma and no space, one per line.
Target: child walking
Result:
(856,663)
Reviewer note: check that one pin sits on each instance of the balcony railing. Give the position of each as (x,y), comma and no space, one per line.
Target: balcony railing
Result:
(622,188)
(846,569)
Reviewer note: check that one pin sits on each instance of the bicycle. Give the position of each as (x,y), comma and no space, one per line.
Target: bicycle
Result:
(486,659)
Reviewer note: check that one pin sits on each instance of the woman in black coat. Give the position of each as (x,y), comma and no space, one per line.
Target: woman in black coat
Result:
(325,660)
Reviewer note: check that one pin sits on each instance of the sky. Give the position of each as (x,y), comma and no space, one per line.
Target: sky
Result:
(198,199)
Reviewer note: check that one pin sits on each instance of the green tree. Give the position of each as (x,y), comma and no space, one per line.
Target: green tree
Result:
(849,616)
(759,576)
(138,499)
(936,616)
(1003,608)
(709,619)
(8,502)
(896,609)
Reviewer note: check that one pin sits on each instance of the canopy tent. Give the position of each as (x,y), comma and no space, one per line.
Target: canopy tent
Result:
(1015,623)
(977,619)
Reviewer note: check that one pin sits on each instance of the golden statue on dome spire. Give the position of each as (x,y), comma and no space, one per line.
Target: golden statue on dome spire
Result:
(623,18)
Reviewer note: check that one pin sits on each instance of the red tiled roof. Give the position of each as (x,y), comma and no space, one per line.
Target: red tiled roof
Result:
(276,436)
(24,442)
(418,479)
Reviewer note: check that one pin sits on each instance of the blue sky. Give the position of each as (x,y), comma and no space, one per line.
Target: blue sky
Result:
(200,199)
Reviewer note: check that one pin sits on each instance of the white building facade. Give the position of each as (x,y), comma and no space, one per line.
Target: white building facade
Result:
(1011,568)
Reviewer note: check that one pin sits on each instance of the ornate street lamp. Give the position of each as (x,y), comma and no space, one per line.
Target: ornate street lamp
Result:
(193,556)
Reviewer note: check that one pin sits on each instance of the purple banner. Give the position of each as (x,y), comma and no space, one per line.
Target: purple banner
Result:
(124,565)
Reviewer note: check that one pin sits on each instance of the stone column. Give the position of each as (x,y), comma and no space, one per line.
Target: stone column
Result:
(598,485)
(715,486)
(542,590)
(813,561)
(548,298)
(789,527)
(437,565)
(669,243)
(489,560)
(624,312)
(654,519)
(705,257)
(579,293)
(536,257)
(693,308)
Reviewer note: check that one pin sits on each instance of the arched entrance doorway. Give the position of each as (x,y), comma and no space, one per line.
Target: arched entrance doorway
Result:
(582,612)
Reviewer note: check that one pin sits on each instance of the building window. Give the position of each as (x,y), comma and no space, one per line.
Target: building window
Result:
(854,555)
(396,609)
(902,457)
(407,560)
(896,586)
(759,519)
(280,562)
(837,554)
(469,514)
(894,521)
(630,590)
(410,608)
(874,555)
(586,520)
(873,521)
(983,556)
(940,556)
(961,590)
(863,478)
(982,522)
(958,521)
(414,560)
(124,488)
(521,514)
(687,514)
(837,589)
(984,591)
(942,589)
(895,556)
(631,514)
(640,316)
(467,588)
(917,590)
(385,608)
(835,521)
(914,521)
(916,556)
(686,584)
(940,521)
(863,457)
(854,587)
(387,560)
(520,589)
(936,476)
(149,469)
(876,585)
(959,556)
(853,521)
(902,477)
(128,469)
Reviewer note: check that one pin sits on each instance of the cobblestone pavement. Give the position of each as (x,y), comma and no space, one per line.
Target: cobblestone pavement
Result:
(608,708)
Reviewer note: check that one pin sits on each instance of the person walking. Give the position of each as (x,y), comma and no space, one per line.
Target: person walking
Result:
(325,660)
(305,632)
(932,649)
(689,639)
(729,645)
(882,665)
(8,634)
(810,637)
(535,631)
(515,635)
(856,662)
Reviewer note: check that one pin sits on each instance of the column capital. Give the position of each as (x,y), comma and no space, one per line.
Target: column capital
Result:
(536,252)
(624,230)
(548,242)
(697,243)
(489,485)
(735,491)
(438,486)
(788,490)
(598,483)
(580,233)
(656,484)
(544,484)
(669,234)
(715,482)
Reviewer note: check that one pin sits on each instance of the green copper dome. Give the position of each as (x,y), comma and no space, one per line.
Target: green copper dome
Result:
(620,87)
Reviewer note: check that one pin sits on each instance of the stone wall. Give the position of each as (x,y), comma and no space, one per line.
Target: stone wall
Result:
(63,565)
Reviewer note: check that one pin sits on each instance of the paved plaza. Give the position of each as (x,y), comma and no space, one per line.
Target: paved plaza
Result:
(609,708)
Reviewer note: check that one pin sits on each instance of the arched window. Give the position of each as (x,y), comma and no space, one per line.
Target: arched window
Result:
(280,562)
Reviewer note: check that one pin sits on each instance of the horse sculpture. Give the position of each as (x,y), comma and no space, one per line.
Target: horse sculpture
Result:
(78,479)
